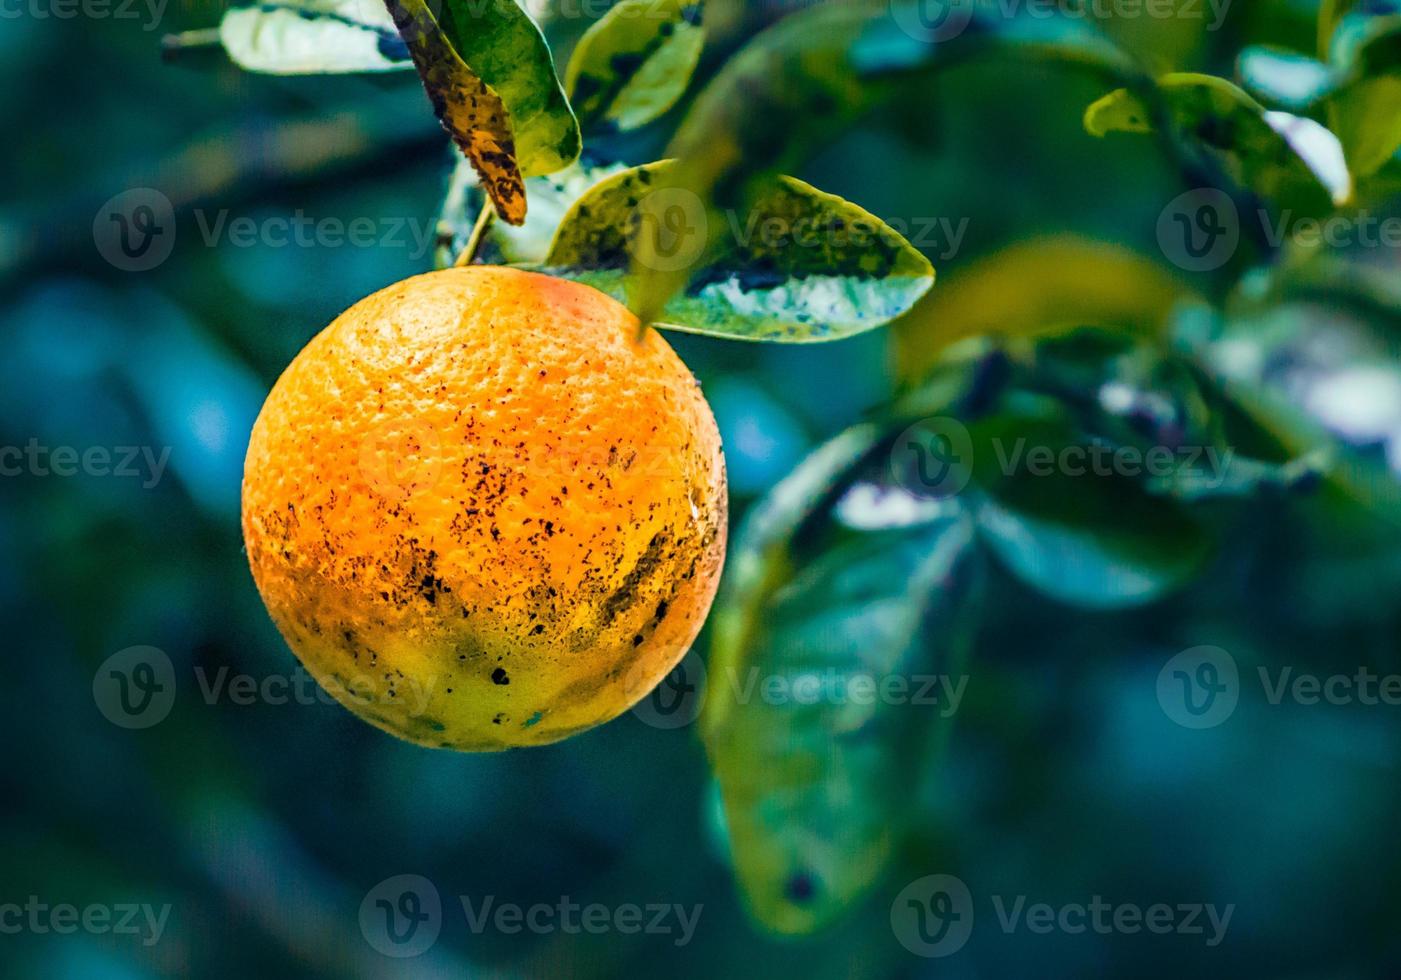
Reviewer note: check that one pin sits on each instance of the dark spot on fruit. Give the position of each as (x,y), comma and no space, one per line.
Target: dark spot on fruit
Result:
(498,676)
(627,593)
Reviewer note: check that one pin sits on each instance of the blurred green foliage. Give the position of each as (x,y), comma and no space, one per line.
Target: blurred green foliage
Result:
(264,826)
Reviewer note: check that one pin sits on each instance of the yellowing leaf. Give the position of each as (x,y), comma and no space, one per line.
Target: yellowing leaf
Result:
(491,79)
(469,110)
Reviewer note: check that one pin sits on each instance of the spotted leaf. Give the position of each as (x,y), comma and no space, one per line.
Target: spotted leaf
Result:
(491,79)
(799,266)
(844,592)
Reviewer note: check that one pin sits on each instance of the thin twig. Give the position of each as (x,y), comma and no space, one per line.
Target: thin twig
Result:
(474,243)
(173,44)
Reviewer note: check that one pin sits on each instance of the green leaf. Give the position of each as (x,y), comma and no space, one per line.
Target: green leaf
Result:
(1092,539)
(813,73)
(815,774)
(1367,117)
(1284,78)
(491,79)
(635,63)
(1367,45)
(1289,159)
(1330,15)
(1318,371)
(1366,112)
(800,266)
(503,46)
(312,37)
(551,197)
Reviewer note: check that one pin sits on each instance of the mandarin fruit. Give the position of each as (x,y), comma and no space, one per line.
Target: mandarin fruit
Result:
(483,514)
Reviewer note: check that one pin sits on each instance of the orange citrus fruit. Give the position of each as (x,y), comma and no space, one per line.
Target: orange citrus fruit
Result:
(481,513)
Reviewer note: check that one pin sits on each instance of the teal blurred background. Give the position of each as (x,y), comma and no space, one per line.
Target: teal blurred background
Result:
(264,826)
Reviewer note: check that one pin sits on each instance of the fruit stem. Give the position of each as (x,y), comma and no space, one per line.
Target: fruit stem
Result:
(479,230)
(173,44)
